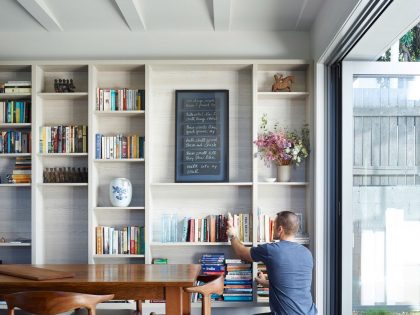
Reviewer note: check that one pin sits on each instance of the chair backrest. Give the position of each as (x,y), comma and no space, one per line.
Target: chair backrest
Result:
(53,302)
(213,284)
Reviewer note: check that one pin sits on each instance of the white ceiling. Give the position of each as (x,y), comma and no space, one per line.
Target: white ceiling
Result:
(157,15)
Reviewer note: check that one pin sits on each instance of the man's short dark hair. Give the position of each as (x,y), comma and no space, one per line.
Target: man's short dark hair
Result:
(289,221)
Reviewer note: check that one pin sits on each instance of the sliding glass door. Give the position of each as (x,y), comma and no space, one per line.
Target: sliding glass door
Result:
(381,188)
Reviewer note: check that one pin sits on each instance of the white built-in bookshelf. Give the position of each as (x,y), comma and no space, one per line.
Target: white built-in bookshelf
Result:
(61,219)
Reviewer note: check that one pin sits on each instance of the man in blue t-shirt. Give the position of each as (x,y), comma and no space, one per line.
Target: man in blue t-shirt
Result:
(289,266)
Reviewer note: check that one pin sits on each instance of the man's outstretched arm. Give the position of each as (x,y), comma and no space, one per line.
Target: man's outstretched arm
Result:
(240,250)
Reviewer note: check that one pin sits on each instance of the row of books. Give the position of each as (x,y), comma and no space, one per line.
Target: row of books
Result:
(15,112)
(63,139)
(16,87)
(119,99)
(238,280)
(15,141)
(124,240)
(213,228)
(21,173)
(119,147)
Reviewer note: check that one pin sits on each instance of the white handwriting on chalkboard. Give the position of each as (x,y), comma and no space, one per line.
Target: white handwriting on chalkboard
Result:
(200,103)
(201,142)
(200,130)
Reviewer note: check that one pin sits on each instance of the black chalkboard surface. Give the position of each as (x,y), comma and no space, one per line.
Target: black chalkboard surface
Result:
(202,136)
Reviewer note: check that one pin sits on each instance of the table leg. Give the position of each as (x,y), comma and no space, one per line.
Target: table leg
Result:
(173,296)
(186,303)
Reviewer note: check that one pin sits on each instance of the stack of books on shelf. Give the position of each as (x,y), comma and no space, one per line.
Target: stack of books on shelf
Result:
(16,87)
(63,139)
(15,112)
(119,147)
(125,240)
(22,172)
(262,292)
(211,264)
(15,141)
(119,99)
(213,228)
(238,281)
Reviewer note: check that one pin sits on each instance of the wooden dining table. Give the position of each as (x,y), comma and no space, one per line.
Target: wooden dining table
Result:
(125,281)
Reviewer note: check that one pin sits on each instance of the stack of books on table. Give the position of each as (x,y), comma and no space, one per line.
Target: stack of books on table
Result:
(211,264)
(262,292)
(22,172)
(238,281)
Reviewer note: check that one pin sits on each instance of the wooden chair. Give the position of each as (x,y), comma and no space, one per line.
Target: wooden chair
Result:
(53,302)
(213,284)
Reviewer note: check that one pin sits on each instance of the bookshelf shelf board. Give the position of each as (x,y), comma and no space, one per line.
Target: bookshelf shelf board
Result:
(10,244)
(282,95)
(119,113)
(16,185)
(11,155)
(119,160)
(170,244)
(63,96)
(64,184)
(283,184)
(117,256)
(118,208)
(203,184)
(63,154)
(14,96)
(15,125)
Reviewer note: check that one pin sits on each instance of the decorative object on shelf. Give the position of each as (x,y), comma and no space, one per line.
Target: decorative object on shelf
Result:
(65,175)
(120,192)
(64,86)
(169,228)
(282,83)
(2,239)
(202,136)
(283,147)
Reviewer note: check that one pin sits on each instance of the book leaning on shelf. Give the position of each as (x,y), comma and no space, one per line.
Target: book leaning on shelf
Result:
(119,147)
(125,240)
(15,141)
(63,139)
(266,223)
(15,112)
(213,228)
(119,99)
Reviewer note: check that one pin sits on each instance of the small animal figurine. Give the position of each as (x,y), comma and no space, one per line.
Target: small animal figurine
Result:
(282,83)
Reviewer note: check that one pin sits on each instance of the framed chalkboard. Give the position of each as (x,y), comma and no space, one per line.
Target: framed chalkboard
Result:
(202,136)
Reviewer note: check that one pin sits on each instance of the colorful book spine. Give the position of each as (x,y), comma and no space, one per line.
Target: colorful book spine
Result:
(119,147)
(122,240)
(63,139)
(120,99)
(15,141)
(15,112)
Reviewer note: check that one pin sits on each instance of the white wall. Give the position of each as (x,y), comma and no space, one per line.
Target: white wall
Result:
(153,45)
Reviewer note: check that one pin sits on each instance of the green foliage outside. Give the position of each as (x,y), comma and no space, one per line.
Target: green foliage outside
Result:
(409,46)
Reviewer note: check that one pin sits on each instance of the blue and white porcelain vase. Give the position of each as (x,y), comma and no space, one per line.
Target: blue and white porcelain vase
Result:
(120,192)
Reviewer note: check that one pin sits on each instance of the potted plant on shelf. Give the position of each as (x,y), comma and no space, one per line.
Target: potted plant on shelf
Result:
(282,147)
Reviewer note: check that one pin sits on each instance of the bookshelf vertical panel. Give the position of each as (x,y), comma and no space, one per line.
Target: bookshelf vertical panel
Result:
(147,166)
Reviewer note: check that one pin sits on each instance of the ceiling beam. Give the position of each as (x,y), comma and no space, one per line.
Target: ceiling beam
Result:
(41,13)
(130,9)
(221,15)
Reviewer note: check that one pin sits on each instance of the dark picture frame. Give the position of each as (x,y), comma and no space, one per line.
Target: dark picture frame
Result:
(201,136)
